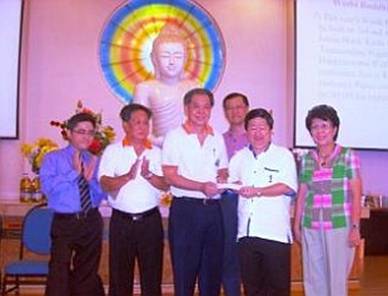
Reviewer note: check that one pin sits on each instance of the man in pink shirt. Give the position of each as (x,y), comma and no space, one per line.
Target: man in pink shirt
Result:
(235,106)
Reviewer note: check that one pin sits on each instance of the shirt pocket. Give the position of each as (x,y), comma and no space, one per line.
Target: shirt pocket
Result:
(271,175)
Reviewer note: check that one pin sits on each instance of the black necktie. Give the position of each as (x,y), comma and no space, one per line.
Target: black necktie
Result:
(84,193)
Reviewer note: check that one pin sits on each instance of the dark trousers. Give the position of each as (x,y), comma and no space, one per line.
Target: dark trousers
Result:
(75,255)
(196,243)
(231,270)
(134,237)
(265,267)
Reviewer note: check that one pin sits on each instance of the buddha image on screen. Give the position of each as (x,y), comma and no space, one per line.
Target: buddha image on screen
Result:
(164,94)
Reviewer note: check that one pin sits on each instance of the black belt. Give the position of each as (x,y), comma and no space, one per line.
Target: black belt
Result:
(77,216)
(202,201)
(137,216)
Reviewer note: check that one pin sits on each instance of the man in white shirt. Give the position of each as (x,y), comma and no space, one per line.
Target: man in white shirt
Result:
(268,175)
(194,159)
(130,171)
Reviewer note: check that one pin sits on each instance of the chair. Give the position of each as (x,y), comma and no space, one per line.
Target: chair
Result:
(35,238)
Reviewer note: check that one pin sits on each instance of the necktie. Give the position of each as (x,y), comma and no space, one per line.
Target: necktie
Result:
(86,203)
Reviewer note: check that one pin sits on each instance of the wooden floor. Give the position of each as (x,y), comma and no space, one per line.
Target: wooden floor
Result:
(375,277)
(374,281)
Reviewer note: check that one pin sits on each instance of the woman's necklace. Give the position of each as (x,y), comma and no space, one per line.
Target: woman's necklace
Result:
(324,160)
(325,157)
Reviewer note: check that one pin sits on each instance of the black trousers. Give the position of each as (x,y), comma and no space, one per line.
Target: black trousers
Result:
(265,267)
(75,255)
(134,237)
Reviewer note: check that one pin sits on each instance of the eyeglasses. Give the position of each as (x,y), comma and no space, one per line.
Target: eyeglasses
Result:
(323,126)
(260,128)
(90,133)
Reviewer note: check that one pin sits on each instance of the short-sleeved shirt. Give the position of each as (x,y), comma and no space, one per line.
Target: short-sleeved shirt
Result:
(264,217)
(329,198)
(194,161)
(138,195)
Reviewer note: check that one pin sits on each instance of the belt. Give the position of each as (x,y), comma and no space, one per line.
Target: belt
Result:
(77,216)
(202,201)
(137,216)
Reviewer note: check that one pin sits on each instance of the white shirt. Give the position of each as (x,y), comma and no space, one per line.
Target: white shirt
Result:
(194,162)
(264,217)
(138,195)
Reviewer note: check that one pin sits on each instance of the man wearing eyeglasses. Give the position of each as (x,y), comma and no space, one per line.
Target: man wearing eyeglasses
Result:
(69,181)
(267,173)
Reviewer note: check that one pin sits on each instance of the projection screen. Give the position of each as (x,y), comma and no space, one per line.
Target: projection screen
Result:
(342,60)
(10,35)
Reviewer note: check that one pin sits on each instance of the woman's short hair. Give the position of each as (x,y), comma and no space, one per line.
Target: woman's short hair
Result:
(326,113)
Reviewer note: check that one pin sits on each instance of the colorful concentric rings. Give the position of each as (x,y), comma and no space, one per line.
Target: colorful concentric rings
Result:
(127,38)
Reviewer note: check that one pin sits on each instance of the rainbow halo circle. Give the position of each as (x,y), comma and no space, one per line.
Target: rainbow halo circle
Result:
(127,38)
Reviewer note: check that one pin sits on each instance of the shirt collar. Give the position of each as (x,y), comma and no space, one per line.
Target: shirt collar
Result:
(70,148)
(187,126)
(250,147)
(127,142)
(230,133)
(85,154)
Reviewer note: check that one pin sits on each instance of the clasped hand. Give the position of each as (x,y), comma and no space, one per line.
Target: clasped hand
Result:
(144,169)
(86,169)
(210,189)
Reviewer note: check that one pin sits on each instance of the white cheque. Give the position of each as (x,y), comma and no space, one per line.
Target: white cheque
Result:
(232,186)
